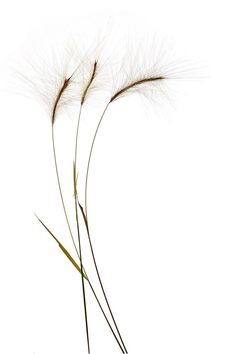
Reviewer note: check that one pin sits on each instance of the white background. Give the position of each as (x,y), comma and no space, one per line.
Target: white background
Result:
(162,197)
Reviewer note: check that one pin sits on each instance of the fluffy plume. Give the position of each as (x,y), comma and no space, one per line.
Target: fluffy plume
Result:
(148,67)
(50,78)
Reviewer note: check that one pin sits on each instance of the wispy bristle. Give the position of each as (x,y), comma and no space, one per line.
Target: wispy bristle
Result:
(146,66)
(51,78)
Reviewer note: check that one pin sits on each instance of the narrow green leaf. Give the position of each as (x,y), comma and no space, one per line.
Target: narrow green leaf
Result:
(71,259)
(64,250)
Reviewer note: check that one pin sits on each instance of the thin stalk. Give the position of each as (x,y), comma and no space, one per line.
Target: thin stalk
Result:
(88,233)
(81,263)
(76,137)
(70,231)
(80,246)
(89,161)
(67,220)
(105,316)
(60,190)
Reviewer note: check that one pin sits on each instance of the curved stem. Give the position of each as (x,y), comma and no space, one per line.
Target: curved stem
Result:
(60,190)
(82,276)
(89,161)
(79,239)
(77,135)
(86,216)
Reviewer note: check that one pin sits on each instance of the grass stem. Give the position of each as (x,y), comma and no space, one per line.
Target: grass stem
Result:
(87,225)
(81,266)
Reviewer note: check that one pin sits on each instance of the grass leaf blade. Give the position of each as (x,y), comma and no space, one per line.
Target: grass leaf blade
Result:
(64,250)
